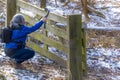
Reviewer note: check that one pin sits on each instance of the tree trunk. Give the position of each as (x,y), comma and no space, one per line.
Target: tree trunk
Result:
(62,1)
(66,2)
(85,10)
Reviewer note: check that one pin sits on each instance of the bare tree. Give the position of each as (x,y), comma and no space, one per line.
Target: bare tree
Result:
(85,10)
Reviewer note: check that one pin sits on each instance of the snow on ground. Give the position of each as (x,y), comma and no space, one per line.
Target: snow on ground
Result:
(37,68)
(103,63)
(111,10)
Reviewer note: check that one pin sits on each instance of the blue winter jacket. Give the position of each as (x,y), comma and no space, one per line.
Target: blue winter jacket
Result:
(24,31)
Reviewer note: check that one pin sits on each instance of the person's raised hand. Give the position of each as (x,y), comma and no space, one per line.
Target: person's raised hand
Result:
(44,19)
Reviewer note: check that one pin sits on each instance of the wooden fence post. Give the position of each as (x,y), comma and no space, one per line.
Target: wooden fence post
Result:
(84,57)
(11,10)
(75,47)
(42,3)
(84,25)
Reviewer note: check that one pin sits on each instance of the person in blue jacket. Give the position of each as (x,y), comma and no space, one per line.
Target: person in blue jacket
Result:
(16,49)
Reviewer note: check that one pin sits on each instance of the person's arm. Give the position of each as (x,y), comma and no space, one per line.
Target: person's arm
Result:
(35,26)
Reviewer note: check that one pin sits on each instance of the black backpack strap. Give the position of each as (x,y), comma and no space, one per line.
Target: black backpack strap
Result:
(20,44)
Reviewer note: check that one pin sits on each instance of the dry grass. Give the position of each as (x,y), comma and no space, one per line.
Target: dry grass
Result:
(104,38)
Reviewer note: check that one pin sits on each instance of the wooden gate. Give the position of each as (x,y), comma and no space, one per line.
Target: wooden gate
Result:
(68,38)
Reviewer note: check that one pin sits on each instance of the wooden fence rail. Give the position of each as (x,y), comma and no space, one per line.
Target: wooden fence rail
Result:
(69,39)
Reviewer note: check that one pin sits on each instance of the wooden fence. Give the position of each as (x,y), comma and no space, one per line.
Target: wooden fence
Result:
(68,39)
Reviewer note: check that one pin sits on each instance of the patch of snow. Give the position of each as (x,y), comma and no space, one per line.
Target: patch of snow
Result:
(97,58)
(11,73)
(104,58)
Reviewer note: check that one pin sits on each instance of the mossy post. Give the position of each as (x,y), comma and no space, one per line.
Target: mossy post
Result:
(84,58)
(11,10)
(75,47)
(42,3)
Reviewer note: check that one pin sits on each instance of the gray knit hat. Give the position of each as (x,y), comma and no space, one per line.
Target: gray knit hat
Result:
(17,21)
